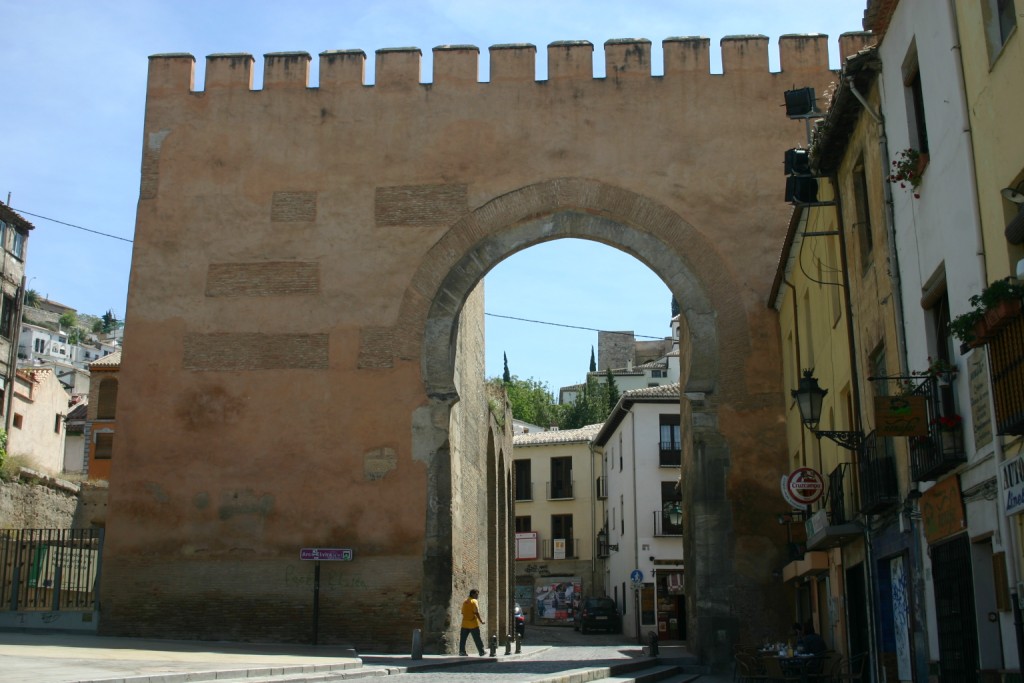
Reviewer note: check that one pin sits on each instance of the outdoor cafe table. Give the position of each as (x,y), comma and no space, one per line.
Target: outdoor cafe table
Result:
(799,667)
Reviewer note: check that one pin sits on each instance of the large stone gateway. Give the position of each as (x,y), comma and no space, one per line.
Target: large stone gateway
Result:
(304,361)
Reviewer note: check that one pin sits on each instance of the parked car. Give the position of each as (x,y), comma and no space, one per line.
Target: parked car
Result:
(520,619)
(598,614)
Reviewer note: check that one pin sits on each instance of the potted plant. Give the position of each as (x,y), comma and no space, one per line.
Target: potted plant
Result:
(969,328)
(907,168)
(1001,302)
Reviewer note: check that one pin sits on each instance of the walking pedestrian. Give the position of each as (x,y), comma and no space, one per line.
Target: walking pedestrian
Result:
(471,621)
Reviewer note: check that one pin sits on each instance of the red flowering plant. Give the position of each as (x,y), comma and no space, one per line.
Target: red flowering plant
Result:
(906,169)
(948,423)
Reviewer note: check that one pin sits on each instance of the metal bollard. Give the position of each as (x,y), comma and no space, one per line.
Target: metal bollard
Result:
(494,644)
(508,643)
(519,643)
(652,639)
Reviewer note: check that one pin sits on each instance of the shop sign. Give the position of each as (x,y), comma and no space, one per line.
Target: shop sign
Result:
(805,485)
(942,510)
(1012,473)
(784,485)
(901,416)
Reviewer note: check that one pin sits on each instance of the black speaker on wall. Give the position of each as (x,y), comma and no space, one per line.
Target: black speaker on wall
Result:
(797,162)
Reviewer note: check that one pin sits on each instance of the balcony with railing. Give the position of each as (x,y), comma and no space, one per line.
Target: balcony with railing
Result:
(561,549)
(663,525)
(933,455)
(669,454)
(560,490)
(879,486)
(834,525)
(524,491)
(1006,358)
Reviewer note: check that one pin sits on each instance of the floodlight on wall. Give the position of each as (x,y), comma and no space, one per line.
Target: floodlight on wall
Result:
(801,190)
(797,162)
(1014,194)
(800,103)
(1015,227)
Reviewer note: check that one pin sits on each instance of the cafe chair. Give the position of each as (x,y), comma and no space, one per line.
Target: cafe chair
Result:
(852,669)
(749,669)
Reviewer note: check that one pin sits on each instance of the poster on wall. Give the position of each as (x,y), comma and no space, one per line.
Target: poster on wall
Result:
(901,617)
(556,598)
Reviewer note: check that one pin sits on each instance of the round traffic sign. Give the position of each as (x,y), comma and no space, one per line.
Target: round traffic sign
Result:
(637,577)
(805,485)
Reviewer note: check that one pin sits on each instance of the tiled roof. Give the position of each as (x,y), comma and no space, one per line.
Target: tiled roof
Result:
(660,391)
(9,215)
(110,361)
(78,412)
(581,435)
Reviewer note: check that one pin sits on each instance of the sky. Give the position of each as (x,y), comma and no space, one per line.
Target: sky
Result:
(71,133)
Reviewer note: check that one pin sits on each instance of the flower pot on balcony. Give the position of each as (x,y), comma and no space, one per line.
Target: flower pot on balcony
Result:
(1001,314)
(981,334)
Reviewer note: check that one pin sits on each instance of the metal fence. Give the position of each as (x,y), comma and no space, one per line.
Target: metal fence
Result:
(49,570)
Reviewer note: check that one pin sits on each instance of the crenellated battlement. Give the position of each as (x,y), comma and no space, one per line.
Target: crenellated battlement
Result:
(457,66)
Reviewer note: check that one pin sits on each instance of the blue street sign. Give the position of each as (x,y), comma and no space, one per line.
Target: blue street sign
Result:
(637,577)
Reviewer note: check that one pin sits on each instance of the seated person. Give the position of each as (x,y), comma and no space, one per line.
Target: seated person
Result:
(811,642)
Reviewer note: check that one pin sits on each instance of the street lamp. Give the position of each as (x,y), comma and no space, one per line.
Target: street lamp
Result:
(809,397)
(674,512)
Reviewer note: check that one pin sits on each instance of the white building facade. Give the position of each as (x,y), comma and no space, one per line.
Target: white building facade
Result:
(640,446)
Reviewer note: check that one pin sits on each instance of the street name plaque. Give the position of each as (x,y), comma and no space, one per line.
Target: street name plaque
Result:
(326,554)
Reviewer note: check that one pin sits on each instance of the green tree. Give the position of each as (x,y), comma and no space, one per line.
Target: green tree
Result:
(32,298)
(505,376)
(76,335)
(530,400)
(109,321)
(593,361)
(68,320)
(590,406)
(97,326)
(611,391)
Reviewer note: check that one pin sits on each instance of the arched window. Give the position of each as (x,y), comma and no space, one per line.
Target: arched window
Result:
(106,408)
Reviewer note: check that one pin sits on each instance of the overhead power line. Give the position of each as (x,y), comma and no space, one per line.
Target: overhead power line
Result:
(574,327)
(71,225)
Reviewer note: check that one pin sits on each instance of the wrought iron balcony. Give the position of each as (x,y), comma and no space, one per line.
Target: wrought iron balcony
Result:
(663,526)
(669,454)
(560,490)
(879,486)
(933,455)
(1006,357)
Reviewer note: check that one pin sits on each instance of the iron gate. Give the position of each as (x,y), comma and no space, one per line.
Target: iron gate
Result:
(50,570)
(954,604)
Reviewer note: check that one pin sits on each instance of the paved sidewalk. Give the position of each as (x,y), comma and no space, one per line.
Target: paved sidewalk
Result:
(46,657)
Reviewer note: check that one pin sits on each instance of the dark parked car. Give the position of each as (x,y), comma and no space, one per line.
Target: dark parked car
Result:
(598,614)
(520,621)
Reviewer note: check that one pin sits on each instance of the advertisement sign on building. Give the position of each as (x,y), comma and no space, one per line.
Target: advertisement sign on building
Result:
(942,510)
(805,485)
(901,416)
(526,545)
(1012,474)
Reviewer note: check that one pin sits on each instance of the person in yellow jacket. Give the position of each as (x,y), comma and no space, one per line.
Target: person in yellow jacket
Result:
(471,621)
